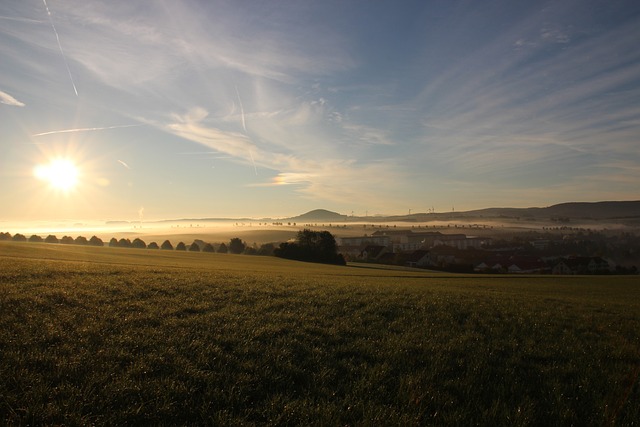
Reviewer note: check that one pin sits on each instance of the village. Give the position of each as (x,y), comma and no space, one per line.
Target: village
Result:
(562,251)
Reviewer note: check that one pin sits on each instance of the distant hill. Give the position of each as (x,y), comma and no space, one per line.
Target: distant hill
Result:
(319,215)
(612,210)
(573,210)
(578,210)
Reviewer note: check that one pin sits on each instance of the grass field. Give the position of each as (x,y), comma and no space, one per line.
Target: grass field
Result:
(112,336)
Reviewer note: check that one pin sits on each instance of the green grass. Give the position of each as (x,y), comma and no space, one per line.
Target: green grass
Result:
(111,336)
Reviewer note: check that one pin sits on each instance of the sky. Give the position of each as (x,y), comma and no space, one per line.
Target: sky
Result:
(190,109)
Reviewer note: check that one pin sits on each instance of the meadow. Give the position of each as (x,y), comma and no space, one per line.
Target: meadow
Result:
(112,336)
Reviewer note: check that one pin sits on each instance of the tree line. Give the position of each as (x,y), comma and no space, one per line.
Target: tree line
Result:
(67,240)
(309,246)
(235,245)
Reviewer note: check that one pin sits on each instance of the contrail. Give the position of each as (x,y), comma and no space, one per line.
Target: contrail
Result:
(60,46)
(253,163)
(18,19)
(244,125)
(53,132)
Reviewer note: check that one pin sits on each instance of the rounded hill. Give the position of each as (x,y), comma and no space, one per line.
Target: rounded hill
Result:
(320,215)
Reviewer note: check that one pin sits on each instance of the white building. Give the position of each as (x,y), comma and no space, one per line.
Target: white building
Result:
(378,240)
(460,241)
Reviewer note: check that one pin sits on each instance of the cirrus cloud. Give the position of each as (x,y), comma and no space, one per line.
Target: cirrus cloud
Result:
(7,99)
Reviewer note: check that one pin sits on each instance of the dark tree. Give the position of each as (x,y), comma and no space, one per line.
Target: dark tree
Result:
(267,249)
(250,250)
(5,236)
(181,247)
(313,246)
(67,240)
(194,247)
(222,249)
(35,239)
(208,248)
(166,245)
(153,245)
(96,241)
(236,246)
(138,243)
(113,242)
(124,243)
(81,240)
(19,238)
(51,239)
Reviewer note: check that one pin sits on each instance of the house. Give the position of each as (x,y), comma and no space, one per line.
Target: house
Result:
(350,252)
(598,265)
(494,263)
(395,235)
(409,240)
(372,252)
(461,241)
(581,265)
(481,267)
(562,267)
(443,256)
(527,266)
(414,241)
(388,258)
(419,258)
(511,264)
(352,247)
(363,241)
(571,265)
(540,244)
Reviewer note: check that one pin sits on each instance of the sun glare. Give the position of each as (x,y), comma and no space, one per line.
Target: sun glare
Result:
(61,174)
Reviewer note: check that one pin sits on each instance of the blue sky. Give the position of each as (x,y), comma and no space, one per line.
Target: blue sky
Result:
(243,108)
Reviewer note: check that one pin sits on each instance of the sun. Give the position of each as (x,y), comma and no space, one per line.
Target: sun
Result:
(61,174)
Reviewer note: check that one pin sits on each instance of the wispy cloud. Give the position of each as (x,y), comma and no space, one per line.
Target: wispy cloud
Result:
(126,166)
(547,35)
(7,99)
(191,126)
(287,178)
(536,107)
(323,178)
(368,135)
(127,49)
(555,35)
